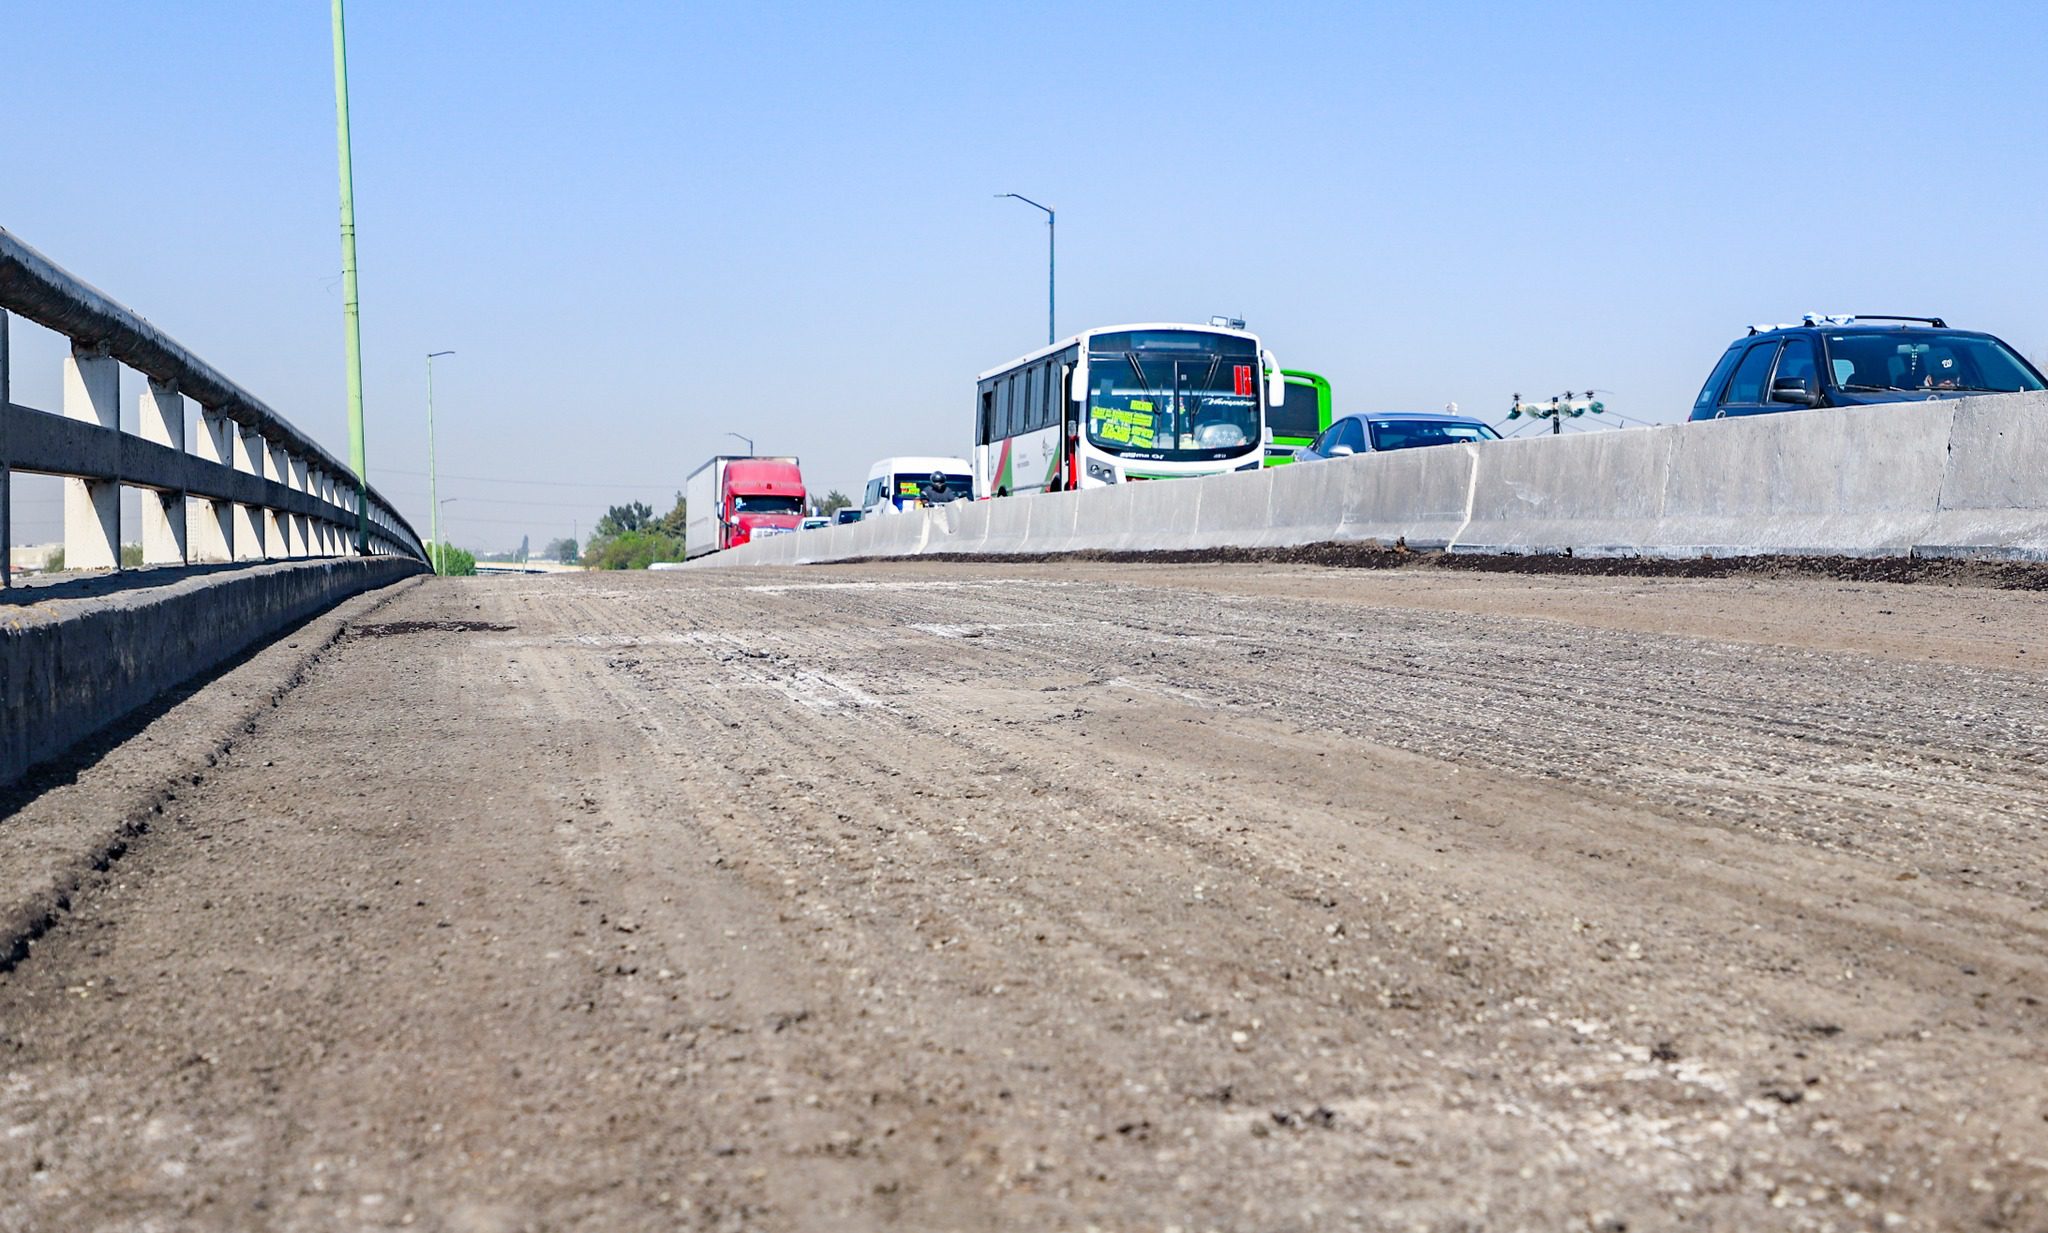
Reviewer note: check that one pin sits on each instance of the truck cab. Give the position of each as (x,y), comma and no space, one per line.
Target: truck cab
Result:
(763,496)
(734,501)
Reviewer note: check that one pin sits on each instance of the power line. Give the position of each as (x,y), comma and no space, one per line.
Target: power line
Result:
(488,479)
(518,501)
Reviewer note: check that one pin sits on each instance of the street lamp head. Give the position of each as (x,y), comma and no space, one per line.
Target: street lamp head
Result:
(432,355)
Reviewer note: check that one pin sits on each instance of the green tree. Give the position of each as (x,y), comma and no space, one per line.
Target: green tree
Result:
(633,550)
(563,550)
(834,501)
(619,519)
(673,522)
(455,562)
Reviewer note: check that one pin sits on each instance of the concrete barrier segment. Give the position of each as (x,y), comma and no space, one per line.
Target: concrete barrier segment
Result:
(1994,489)
(1586,492)
(1858,481)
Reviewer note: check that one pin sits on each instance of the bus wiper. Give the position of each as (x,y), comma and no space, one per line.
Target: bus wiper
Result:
(1131,358)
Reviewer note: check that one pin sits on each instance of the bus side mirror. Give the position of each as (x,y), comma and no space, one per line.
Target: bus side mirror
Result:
(1276,384)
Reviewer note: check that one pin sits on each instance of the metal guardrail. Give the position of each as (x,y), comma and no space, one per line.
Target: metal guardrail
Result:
(250,488)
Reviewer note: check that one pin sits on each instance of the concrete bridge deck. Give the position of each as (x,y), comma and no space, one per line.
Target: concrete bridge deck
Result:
(1045,896)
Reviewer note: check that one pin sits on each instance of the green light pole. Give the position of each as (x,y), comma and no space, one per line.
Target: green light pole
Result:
(350,316)
(433,483)
(1051,235)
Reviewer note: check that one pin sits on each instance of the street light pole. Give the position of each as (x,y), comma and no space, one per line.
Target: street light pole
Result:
(433,482)
(351,314)
(748,440)
(1051,239)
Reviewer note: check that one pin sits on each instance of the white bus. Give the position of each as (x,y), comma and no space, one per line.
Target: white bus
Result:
(896,484)
(1125,402)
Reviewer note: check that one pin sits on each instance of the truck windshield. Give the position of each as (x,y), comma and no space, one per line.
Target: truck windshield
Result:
(1927,360)
(744,504)
(1173,394)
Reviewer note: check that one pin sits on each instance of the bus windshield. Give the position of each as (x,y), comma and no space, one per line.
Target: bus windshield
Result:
(1173,394)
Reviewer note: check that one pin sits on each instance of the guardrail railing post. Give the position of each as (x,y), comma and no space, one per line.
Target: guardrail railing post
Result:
(210,524)
(274,545)
(160,417)
(293,525)
(248,536)
(316,526)
(92,508)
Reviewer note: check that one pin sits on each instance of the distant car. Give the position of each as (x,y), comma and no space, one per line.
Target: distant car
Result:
(813,523)
(849,514)
(1858,361)
(1375,432)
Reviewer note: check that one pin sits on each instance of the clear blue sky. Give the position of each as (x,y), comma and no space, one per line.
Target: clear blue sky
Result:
(644,224)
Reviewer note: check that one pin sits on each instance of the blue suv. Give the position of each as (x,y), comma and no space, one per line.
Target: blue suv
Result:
(1859,361)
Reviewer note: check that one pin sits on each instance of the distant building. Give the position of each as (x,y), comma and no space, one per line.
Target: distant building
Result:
(31,558)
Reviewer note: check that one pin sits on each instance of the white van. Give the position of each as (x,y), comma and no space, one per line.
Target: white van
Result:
(897,484)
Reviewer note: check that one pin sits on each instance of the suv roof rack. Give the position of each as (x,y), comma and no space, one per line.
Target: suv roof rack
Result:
(1817,319)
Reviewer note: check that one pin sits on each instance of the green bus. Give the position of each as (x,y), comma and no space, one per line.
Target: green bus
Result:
(1300,418)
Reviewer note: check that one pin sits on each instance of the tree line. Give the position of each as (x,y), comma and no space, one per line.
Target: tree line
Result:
(630,536)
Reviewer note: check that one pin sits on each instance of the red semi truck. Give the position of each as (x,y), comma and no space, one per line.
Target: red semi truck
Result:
(736,500)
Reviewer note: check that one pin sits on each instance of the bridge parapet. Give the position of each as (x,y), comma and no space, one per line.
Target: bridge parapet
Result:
(250,486)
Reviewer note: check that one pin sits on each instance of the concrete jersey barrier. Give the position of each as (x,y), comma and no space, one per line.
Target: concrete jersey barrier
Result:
(1955,477)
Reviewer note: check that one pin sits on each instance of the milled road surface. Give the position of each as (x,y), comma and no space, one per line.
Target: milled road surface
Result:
(1048,896)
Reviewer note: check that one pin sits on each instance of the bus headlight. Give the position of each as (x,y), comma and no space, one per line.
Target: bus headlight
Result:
(1101,472)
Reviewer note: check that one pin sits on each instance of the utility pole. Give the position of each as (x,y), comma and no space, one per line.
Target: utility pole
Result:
(433,483)
(350,314)
(1558,409)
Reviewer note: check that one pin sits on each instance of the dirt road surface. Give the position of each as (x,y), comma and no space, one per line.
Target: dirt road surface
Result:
(1065,896)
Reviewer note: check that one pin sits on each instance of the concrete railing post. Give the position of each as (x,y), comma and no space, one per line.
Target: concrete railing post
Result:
(274,545)
(295,524)
(210,525)
(316,526)
(160,417)
(248,535)
(92,508)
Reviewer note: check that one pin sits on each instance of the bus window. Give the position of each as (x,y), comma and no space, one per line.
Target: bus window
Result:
(988,417)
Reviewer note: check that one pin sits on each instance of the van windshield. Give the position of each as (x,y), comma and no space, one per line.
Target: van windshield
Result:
(922,488)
